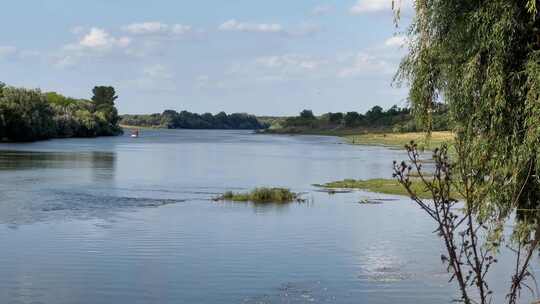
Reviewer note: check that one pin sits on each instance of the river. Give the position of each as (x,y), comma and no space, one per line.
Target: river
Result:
(124,220)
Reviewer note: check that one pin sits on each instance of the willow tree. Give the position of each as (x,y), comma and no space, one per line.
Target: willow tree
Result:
(482,58)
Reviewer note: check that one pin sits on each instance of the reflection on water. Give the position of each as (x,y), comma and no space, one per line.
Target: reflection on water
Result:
(122,220)
(24,160)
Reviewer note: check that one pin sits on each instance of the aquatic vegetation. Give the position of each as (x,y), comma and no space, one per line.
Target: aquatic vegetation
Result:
(262,195)
(367,201)
(381,185)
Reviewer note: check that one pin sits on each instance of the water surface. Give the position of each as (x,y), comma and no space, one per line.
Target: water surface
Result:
(122,220)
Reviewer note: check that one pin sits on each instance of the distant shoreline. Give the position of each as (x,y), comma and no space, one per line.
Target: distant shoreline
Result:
(139,127)
(374,137)
(356,136)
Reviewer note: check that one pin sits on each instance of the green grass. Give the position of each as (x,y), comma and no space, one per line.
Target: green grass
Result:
(384,186)
(262,195)
(376,137)
(401,139)
(379,185)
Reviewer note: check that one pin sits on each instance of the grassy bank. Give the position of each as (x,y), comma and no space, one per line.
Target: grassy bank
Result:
(357,136)
(340,132)
(381,185)
(378,185)
(401,139)
(261,195)
(138,127)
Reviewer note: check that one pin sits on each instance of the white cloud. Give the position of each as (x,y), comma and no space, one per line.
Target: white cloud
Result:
(7,51)
(65,61)
(93,43)
(180,29)
(157,28)
(146,28)
(99,39)
(396,41)
(322,10)
(233,25)
(157,71)
(290,62)
(302,30)
(372,6)
(273,69)
(305,68)
(153,78)
(27,54)
(305,29)
(364,64)
(13,53)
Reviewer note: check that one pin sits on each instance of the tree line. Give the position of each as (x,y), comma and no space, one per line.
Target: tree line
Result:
(171,119)
(29,114)
(395,119)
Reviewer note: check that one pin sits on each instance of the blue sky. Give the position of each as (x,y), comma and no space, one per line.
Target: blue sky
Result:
(263,57)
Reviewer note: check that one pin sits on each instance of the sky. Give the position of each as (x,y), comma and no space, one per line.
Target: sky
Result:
(262,57)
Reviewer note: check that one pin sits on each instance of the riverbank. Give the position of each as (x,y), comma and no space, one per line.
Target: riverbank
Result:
(381,185)
(339,132)
(375,137)
(139,127)
(378,185)
(401,139)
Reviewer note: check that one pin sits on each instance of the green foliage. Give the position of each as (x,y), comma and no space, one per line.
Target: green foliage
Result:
(483,60)
(353,119)
(395,118)
(307,114)
(103,96)
(59,100)
(28,115)
(103,101)
(25,115)
(335,118)
(262,195)
(186,120)
(376,113)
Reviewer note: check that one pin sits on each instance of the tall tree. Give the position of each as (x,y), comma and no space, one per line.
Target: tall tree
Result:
(103,101)
(482,58)
(307,114)
(104,96)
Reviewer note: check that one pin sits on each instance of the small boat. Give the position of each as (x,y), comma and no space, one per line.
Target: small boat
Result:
(135,133)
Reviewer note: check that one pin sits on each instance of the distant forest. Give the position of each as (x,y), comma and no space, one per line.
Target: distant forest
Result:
(29,114)
(171,119)
(394,119)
